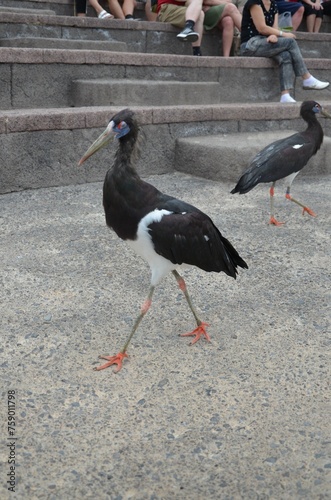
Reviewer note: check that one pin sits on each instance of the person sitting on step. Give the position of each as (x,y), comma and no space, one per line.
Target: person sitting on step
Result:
(191,16)
(184,14)
(261,37)
(224,15)
(296,9)
(118,11)
(314,10)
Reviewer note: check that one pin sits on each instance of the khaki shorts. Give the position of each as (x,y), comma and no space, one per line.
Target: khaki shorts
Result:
(173,14)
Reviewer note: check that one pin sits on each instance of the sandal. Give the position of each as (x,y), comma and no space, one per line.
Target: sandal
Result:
(105,15)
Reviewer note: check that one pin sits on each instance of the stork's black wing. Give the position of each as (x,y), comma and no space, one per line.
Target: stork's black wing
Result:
(277,161)
(190,237)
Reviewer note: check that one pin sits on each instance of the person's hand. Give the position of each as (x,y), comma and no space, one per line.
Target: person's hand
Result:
(288,34)
(315,5)
(272,39)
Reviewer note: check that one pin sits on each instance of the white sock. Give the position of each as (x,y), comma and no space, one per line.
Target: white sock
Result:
(309,81)
(286,98)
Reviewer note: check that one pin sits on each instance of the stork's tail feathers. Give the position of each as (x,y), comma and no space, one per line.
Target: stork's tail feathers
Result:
(246,182)
(233,259)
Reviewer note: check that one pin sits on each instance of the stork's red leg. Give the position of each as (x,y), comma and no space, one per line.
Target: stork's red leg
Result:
(304,208)
(118,358)
(201,328)
(273,220)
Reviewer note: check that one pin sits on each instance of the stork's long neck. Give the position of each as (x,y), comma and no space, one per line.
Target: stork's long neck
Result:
(315,131)
(124,157)
(121,191)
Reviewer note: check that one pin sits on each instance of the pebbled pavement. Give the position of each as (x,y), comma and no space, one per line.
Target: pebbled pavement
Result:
(246,416)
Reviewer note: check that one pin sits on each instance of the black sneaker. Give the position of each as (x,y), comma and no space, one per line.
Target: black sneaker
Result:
(188,35)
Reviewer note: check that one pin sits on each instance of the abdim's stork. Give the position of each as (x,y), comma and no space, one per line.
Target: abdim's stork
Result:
(285,158)
(165,231)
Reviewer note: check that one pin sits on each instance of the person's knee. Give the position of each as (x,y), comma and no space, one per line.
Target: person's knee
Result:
(290,43)
(229,9)
(285,57)
(227,23)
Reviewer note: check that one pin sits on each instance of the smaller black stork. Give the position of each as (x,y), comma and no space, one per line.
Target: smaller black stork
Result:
(283,159)
(166,232)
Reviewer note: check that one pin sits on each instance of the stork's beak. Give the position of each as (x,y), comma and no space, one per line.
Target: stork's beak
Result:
(325,113)
(101,141)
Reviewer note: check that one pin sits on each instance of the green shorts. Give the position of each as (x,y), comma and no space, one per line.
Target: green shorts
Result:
(213,16)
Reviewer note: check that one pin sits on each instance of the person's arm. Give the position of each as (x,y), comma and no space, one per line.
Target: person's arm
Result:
(265,30)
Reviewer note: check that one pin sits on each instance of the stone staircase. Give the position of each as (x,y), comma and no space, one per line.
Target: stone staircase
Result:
(64,76)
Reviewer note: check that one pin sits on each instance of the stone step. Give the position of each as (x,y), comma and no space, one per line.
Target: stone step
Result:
(62,43)
(28,75)
(61,7)
(140,36)
(41,147)
(224,157)
(314,45)
(123,92)
(66,8)
(22,10)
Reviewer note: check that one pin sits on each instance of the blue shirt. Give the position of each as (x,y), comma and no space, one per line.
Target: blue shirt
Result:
(248,29)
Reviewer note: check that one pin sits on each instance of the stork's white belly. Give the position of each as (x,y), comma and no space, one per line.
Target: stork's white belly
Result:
(144,247)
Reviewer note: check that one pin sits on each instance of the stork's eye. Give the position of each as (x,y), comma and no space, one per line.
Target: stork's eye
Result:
(121,129)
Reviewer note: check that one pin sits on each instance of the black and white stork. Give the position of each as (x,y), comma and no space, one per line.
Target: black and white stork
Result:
(168,233)
(283,159)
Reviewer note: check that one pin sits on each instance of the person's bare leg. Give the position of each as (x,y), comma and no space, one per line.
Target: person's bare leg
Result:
(115,9)
(317,25)
(232,11)
(310,20)
(198,27)
(297,18)
(96,6)
(227,34)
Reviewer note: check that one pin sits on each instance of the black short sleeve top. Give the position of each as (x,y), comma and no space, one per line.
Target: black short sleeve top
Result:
(248,29)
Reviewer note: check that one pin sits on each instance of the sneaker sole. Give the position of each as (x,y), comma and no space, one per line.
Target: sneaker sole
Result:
(188,38)
(315,87)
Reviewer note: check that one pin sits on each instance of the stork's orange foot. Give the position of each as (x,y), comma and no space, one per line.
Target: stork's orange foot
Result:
(200,330)
(309,211)
(275,222)
(112,360)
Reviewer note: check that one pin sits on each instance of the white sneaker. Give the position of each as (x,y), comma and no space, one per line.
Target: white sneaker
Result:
(105,15)
(317,85)
(287,99)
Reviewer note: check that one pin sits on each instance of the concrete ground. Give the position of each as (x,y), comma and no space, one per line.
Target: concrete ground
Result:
(246,416)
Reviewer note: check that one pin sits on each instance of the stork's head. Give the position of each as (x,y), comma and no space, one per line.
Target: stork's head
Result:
(121,125)
(309,107)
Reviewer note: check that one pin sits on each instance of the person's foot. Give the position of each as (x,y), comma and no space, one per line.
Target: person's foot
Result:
(105,15)
(314,84)
(188,35)
(287,98)
(129,17)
